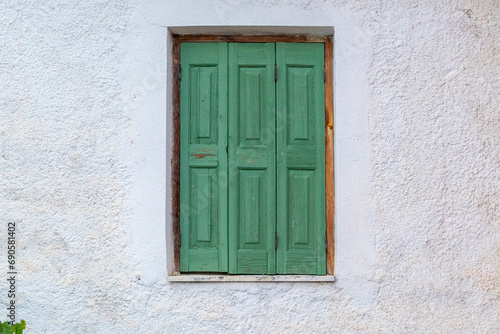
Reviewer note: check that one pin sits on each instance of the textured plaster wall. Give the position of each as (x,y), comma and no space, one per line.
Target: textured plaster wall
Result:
(85,141)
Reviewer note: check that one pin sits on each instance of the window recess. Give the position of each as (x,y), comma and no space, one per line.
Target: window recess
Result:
(254,158)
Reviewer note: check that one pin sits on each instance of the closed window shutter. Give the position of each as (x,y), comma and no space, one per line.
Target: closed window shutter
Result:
(252,169)
(300,159)
(203,183)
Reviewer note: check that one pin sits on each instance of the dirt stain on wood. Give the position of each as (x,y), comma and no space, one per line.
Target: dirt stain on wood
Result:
(201,155)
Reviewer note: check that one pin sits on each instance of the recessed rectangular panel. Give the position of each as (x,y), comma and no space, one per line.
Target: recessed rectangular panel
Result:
(203,210)
(204,103)
(300,206)
(204,109)
(252,216)
(301,104)
(250,102)
(202,199)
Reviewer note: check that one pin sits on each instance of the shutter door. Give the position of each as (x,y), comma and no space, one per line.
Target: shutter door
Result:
(300,159)
(203,181)
(252,201)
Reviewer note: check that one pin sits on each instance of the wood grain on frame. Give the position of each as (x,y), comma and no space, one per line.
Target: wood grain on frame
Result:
(329,170)
(250,39)
(176,161)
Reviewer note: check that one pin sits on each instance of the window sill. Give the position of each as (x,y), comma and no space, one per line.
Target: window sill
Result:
(187,278)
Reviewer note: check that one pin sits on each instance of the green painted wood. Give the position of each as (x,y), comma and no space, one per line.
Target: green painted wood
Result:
(300,159)
(275,165)
(203,183)
(252,168)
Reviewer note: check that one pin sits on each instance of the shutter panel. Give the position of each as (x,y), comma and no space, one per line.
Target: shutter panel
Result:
(300,159)
(203,158)
(252,197)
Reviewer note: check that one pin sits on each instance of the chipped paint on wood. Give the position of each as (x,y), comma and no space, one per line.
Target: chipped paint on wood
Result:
(201,155)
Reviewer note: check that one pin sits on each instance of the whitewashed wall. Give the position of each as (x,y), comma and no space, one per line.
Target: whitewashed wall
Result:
(85,141)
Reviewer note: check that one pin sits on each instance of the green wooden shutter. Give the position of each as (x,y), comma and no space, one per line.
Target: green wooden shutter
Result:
(203,181)
(252,201)
(300,159)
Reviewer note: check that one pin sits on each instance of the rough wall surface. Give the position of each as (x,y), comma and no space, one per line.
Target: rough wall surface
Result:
(85,136)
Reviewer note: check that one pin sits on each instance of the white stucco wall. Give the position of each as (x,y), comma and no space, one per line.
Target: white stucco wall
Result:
(85,141)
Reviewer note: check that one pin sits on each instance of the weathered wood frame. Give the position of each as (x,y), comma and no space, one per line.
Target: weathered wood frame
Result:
(329,129)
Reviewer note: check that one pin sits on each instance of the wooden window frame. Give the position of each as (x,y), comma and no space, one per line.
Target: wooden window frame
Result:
(329,128)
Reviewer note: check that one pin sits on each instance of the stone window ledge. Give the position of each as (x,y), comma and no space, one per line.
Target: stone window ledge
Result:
(190,278)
